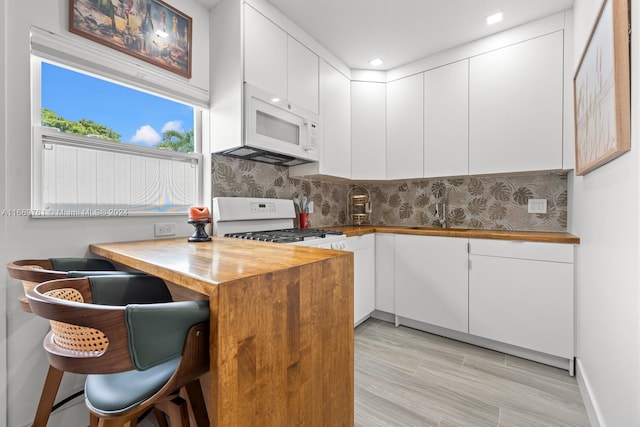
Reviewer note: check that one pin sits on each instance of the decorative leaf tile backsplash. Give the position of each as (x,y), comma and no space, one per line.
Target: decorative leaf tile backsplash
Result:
(485,202)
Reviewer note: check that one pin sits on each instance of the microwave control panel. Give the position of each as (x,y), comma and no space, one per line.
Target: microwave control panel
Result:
(313,137)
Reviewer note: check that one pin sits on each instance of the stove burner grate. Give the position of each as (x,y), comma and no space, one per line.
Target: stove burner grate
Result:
(290,235)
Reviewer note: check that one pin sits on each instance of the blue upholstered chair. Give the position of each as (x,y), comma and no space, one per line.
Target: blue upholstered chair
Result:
(139,349)
(33,271)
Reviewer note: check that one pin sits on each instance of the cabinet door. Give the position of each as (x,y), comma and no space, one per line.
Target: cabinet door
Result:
(515,107)
(368,130)
(385,272)
(405,128)
(265,53)
(363,248)
(302,74)
(446,120)
(335,129)
(432,280)
(527,303)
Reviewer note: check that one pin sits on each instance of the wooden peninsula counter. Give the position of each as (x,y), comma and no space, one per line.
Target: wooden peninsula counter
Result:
(281,334)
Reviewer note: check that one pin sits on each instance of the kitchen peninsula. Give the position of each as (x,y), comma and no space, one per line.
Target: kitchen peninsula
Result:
(281,326)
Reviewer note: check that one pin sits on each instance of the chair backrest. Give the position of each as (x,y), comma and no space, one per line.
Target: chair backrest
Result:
(131,332)
(33,271)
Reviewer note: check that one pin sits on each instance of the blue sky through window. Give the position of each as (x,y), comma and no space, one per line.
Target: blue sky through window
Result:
(139,118)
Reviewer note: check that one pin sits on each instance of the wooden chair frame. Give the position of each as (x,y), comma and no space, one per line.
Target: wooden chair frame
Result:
(117,356)
(31,272)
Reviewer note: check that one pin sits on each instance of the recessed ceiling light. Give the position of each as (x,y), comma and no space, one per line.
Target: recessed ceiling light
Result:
(494,19)
(376,62)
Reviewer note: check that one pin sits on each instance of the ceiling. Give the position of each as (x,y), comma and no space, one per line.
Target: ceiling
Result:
(402,31)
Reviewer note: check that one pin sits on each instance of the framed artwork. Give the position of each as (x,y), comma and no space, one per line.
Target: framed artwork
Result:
(601,85)
(150,30)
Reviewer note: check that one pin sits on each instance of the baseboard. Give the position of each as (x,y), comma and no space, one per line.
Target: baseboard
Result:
(587,396)
(383,315)
(547,359)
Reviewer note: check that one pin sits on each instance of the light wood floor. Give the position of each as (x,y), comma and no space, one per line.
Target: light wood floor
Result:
(405,377)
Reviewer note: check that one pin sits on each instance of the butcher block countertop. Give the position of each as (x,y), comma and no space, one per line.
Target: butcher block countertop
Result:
(201,266)
(281,325)
(531,236)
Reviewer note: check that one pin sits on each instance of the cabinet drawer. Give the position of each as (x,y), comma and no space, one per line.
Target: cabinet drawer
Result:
(359,242)
(556,252)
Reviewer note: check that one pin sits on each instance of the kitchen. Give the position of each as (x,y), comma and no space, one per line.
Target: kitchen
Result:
(602,210)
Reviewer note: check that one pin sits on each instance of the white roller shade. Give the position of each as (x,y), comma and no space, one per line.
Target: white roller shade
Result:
(94,58)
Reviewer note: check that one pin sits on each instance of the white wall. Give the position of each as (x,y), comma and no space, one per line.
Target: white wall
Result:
(35,238)
(3,222)
(605,216)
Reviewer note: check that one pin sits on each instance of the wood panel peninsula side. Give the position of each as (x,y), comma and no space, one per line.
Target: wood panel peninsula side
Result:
(281,326)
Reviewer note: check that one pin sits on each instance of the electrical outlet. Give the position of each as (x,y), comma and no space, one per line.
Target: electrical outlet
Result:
(164,229)
(537,206)
(310,207)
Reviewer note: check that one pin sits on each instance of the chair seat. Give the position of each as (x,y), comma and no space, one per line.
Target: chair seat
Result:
(103,393)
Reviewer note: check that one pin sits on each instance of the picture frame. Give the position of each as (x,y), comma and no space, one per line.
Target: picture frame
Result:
(150,30)
(602,86)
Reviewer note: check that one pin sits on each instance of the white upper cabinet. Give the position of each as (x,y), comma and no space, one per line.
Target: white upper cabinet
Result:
(335,127)
(302,76)
(265,53)
(336,122)
(277,63)
(446,120)
(368,130)
(516,107)
(405,127)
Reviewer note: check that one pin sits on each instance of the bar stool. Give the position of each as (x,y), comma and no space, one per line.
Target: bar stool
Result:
(138,351)
(33,271)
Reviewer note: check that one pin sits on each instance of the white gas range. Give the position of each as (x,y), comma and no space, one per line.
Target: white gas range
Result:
(268,220)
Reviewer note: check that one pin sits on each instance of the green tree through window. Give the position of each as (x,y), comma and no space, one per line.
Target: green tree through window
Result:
(82,127)
(82,104)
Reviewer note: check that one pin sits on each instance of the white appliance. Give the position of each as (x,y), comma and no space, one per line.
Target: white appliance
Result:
(276,131)
(269,220)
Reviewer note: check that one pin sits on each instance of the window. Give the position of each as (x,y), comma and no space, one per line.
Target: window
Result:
(106,149)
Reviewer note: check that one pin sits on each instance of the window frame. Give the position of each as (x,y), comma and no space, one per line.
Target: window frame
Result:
(37,197)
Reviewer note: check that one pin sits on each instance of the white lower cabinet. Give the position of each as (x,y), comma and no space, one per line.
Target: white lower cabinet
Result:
(385,272)
(431,280)
(521,293)
(513,296)
(364,296)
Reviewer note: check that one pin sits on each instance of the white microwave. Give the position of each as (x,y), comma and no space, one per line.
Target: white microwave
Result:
(276,131)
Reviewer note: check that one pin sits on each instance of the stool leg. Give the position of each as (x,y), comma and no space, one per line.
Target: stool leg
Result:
(197,403)
(48,396)
(160,418)
(177,411)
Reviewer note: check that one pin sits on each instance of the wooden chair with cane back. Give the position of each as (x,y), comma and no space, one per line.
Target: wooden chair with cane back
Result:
(138,354)
(33,271)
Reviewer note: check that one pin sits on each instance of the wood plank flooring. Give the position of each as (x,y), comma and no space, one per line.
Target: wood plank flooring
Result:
(405,377)
(409,378)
